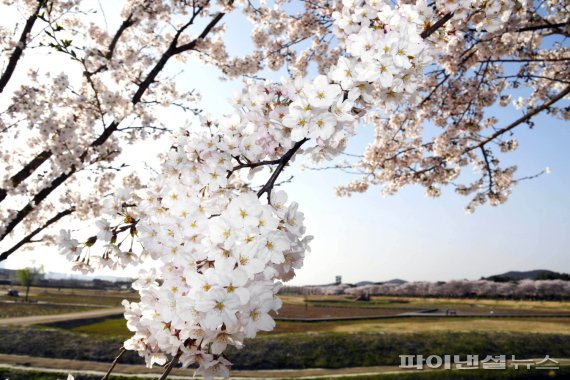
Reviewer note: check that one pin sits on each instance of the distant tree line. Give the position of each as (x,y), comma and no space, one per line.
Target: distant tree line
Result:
(523,289)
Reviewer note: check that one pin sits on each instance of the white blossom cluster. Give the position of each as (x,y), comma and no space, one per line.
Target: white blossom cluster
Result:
(220,247)
(221,251)
(387,55)
(490,15)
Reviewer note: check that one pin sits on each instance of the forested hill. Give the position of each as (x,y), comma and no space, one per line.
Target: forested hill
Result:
(537,274)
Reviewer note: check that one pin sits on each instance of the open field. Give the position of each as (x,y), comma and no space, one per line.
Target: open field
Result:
(67,317)
(293,306)
(84,297)
(11,309)
(115,326)
(443,324)
(310,310)
(301,350)
(333,345)
(415,303)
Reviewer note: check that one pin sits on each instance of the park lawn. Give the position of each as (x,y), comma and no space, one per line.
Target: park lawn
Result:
(12,309)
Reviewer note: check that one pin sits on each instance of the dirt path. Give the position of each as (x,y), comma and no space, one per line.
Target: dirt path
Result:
(96,368)
(38,319)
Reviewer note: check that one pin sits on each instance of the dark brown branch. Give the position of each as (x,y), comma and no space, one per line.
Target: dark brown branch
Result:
(528,77)
(435,89)
(17,53)
(37,199)
(127,23)
(283,161)
(170,365)
(439,23)
(252,165)
(207,29)
(520,120)
(121,353)
(517,60)
(173,50)
(26,171)
(488,168)
(28,239)
(545,26)
(475,93)
(124,26)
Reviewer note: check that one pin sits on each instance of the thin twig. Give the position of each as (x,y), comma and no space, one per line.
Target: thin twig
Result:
(121,353)
(520,120)
(170,365)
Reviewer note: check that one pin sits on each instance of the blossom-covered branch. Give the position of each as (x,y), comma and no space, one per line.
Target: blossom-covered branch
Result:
(120,84)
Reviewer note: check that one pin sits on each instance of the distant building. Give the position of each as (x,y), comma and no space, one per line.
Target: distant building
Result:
(338,280)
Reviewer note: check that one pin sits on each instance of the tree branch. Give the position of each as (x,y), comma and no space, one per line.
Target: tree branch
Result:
(174,50)
(545,26)
(38,198)
(282,162)
(124,26)
(517,60)
(439,23)
(202,35)
(17,53)
(28,239)
(488,168)
(170,365)
(252,165)
(520,120)
(26,171)
(42,157)
(121,353)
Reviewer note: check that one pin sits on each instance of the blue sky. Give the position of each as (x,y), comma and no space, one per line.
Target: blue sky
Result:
(409,236)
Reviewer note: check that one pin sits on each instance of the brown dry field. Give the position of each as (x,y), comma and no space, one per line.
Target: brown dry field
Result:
(294,310)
